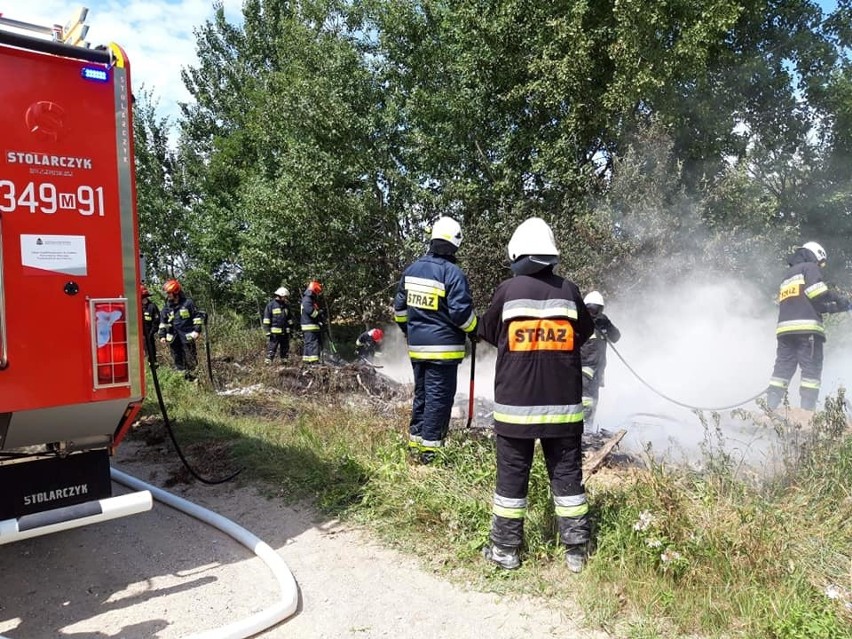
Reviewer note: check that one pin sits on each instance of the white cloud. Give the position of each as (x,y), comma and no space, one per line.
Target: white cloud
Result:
(156,34)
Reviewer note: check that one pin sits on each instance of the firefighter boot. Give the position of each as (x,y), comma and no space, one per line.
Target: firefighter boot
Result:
(505,557)
(575,558)
(774,397)
(414,444)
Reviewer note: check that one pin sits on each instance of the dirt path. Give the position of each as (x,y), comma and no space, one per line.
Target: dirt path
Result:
(162,574)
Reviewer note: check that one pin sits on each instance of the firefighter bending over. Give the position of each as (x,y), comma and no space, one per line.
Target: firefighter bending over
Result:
(368,342)
(434,309)
(593,355)
(150,323)
(180,326)
(538,322)
(312,322)
(803,297)
(277,325)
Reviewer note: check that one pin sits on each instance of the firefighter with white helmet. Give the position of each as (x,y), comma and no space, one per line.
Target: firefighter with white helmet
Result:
(434,309)
(312,322)
(538,322)
(803,297)
(277,325)
(180,327)
(593,354)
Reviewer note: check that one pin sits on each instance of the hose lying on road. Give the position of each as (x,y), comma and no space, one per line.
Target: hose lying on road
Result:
(259,621)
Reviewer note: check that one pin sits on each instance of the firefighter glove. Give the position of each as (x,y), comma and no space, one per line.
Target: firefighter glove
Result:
(268,334)
(602,323)
(473,336)
(192,336)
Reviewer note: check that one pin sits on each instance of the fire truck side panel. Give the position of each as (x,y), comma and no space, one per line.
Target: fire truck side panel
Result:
(69,248)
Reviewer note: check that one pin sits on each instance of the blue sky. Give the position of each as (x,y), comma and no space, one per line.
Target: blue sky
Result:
(157,34)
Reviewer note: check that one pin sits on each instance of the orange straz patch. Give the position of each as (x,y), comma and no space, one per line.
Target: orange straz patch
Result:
(541,335)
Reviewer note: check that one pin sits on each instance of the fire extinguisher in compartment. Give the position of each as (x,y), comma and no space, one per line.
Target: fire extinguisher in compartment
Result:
(109,342)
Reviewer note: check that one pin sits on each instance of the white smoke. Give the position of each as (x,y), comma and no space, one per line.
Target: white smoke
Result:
(396,365)
(703,340)
(709,343)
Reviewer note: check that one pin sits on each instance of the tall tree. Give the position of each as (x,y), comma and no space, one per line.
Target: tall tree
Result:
(289,152)
(326,135)
(164,237)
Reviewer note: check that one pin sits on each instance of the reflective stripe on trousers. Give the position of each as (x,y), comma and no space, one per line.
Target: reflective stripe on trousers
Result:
(563,458)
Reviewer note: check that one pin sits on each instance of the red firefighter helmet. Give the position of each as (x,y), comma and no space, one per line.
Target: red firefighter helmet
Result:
(171,286)
(315,287)
(377,334)
(143,291)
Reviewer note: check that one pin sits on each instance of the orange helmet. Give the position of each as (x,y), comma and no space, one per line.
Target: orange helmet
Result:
(315,287)
(377,334)
(143,291)
(171,286)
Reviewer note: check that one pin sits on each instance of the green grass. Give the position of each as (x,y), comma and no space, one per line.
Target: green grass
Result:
(679,552)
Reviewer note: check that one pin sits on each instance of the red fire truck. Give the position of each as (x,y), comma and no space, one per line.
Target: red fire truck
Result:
(71,365)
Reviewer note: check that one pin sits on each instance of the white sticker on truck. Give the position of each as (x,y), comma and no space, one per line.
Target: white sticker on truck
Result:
(55,253)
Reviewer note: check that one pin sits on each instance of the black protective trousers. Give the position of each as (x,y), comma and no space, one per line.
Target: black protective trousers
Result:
(806,352)
(149,342)
(563,457)
(278,342)
(184,354)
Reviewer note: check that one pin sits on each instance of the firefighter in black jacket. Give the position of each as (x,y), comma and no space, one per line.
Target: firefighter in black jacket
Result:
(803,297)
(312,322)
(180,326)
(593,355)
(277,324)
(150,322)
(538,322)
(434,309)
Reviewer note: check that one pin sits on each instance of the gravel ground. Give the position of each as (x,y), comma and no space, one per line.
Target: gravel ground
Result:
(164,574)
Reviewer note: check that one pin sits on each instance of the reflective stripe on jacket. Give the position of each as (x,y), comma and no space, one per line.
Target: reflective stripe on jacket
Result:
(310,312)
(538,324)
(276,318)
(434,308)
(593,352)
(180,318)
(150,317)
(803,297)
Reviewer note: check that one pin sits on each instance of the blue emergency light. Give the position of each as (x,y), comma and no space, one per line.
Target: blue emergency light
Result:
(97,74)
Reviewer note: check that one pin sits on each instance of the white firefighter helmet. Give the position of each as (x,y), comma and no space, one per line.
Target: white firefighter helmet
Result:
(532,237)
(593,298)
(282,292)
(446,228)
(817,250)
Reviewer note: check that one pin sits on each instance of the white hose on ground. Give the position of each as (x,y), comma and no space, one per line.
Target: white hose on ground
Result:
(253,624)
